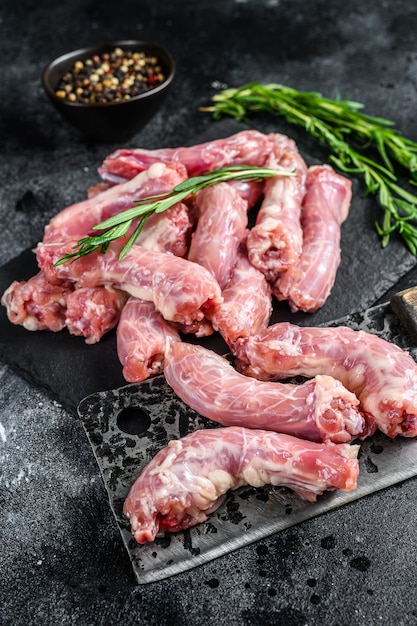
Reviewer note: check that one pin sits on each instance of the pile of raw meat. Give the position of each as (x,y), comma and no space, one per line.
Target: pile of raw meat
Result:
(199,268)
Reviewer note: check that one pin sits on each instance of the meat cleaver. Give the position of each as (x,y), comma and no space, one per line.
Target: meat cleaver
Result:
(127,426)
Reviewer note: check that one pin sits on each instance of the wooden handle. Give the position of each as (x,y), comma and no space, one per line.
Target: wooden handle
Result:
(404,305)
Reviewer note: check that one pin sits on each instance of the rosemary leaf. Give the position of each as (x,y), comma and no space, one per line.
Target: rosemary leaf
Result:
(360,144)
(117,226)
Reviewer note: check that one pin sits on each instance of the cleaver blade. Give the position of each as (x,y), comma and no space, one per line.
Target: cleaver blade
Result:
(127,426)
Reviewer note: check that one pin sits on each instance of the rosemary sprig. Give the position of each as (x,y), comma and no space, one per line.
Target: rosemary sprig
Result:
(118,225)
(360,144)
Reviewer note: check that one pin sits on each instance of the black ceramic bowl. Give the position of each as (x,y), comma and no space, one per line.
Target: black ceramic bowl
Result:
(110,121)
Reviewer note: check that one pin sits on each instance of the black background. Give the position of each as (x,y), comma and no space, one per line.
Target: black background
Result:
(63,561)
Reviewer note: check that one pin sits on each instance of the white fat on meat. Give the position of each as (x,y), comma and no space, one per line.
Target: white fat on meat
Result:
(141,337)
(181,290)
(78,220)
(248,147)
(308,282)
(188,479)
(221,227)
(246,307)
(275,242)
(318,410)
(380,373)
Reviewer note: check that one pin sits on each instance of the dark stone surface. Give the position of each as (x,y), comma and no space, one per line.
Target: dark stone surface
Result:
(62,559)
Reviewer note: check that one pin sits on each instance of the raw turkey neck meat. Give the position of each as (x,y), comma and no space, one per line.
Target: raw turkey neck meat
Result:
(249,516)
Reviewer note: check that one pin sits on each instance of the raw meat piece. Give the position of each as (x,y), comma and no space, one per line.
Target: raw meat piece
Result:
(275,242)
(36,304)
(249,190)
(39,306)
(92,312)
(307,284)
(200,328)
(181,290)
(382,375)
(318,410)
(248,147)
(141,339)
(221,226)
(246,307)
(168,231)
(94,190)
(187,480)
(77,220)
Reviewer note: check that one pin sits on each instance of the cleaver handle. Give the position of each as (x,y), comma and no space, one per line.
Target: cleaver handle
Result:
(404,305)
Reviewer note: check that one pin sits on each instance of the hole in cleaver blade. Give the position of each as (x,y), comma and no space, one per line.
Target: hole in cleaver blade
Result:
(247,514)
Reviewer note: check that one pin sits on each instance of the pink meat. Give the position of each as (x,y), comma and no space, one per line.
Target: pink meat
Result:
(77,220)
(249,190)
(246,307)
(168,231)
(187,480)
(142,333)
(93,311)
(181,290)
(307,284)
(94,190)
(248,147)
(275,242)
(36,304)
(221,226)
(199,328)
(382,375)
(318,410)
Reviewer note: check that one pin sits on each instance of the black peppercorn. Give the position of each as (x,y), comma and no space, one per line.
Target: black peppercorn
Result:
(112,76)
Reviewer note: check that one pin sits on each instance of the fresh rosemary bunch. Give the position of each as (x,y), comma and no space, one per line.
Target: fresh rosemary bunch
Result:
(118,225)
(360,144)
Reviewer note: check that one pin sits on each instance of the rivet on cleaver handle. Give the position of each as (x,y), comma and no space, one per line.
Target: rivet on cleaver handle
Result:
(404,305)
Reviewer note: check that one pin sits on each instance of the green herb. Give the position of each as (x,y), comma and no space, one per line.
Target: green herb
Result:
(118,225)
(360,144)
